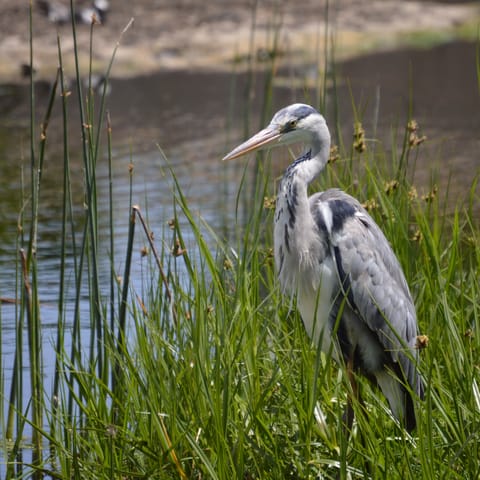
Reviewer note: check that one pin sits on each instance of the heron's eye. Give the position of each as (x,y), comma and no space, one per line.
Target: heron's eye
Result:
(291,124)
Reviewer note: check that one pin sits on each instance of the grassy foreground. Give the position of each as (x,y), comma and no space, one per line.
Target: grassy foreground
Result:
(207,372)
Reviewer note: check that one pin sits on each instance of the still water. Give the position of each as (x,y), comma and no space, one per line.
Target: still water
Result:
(195,118)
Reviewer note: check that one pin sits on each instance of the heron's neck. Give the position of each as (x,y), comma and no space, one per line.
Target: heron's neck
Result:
(309,165)
(294,223)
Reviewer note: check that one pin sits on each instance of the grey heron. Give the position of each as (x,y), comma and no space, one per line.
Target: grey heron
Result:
(350,288)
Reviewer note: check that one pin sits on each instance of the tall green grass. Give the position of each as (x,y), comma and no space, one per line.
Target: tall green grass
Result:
(207,372)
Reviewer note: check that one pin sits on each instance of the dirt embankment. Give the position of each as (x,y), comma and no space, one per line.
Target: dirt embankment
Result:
(183,34)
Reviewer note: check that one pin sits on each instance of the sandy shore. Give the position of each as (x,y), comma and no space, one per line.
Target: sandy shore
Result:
(181,34)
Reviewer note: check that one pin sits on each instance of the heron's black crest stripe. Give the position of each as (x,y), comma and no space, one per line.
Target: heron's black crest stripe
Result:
(304,111)
(341,210)
(300,113)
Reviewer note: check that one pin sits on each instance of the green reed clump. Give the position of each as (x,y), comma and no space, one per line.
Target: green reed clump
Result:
(231,386)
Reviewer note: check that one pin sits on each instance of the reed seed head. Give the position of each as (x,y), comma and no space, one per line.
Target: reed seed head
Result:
(269,203)
(359,138)
(334,154)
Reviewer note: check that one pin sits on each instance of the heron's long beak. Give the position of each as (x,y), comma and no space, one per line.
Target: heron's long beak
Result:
(261,139)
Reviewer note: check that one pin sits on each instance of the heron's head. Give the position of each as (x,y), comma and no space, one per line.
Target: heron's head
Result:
(292,124)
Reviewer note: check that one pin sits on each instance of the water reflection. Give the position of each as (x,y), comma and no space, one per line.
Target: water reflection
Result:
(188,145)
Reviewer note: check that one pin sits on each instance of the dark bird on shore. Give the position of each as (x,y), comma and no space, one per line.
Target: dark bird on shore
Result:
(59,13)
(98,8)
(350,288)
(56,12)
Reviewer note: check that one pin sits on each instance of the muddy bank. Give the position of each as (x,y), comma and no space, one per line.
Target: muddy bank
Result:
(181,34)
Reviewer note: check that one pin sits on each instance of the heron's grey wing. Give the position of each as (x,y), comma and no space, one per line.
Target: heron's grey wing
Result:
(370,274)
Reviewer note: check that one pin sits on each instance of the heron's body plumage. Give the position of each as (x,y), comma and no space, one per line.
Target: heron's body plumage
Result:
(350,288)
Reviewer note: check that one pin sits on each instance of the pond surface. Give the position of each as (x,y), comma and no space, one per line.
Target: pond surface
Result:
(196,118)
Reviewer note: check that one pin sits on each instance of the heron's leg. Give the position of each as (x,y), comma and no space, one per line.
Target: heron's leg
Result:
(348,415)
(352,395)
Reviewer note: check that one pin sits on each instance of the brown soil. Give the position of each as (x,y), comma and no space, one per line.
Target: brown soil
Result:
(184,34)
